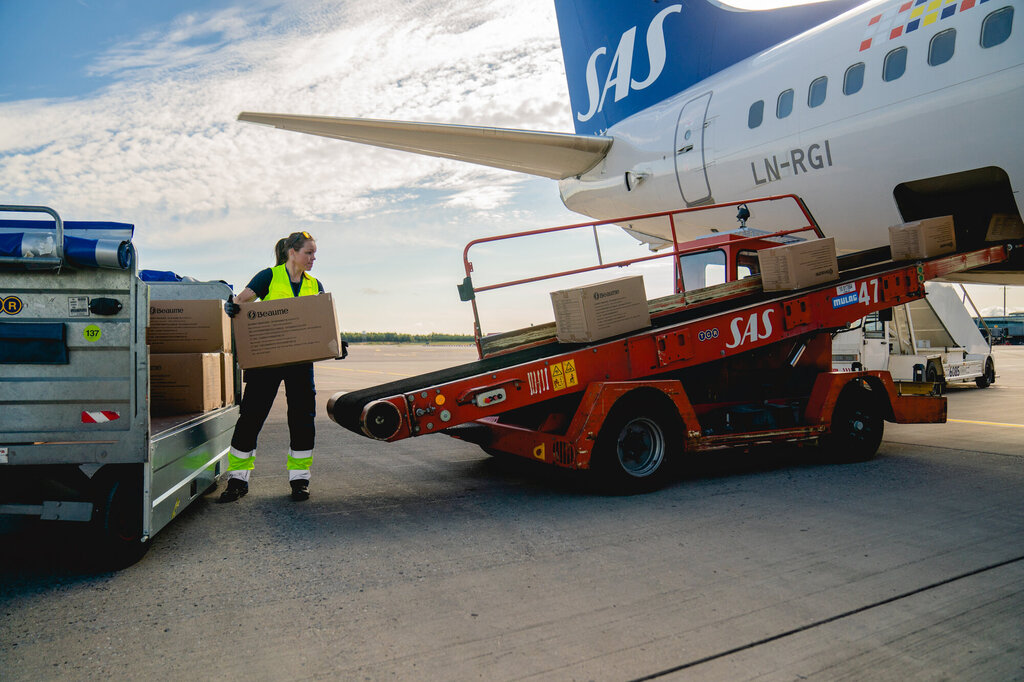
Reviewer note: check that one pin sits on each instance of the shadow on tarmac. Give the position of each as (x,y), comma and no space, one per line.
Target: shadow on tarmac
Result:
(38,556)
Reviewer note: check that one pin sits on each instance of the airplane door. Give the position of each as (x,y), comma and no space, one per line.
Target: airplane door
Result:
(691,170)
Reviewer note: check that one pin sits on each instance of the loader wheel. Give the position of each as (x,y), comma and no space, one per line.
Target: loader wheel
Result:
(932,377)
(635,445)
(857,426)
(989,377)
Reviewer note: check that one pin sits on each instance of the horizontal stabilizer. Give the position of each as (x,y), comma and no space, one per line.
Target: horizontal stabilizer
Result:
(550,155)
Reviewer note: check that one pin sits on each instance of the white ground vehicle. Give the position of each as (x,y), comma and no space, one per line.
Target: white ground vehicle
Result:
(933,339)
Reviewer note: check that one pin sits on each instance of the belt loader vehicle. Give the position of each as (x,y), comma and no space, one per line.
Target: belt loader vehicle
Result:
(723,366)
(78,441)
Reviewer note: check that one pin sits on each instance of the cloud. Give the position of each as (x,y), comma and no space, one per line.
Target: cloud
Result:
(163,137)
(160,146)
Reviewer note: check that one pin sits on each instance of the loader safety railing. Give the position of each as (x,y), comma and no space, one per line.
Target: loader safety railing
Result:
(468,291)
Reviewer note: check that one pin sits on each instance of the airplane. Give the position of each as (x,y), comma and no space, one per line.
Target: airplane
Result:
(874,114)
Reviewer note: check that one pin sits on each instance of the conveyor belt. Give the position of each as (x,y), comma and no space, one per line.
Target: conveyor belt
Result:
(346,408)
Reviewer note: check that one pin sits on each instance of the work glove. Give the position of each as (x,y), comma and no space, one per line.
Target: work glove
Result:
(230,307)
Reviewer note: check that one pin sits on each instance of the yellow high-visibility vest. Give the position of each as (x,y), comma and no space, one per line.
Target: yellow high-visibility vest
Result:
(281,285)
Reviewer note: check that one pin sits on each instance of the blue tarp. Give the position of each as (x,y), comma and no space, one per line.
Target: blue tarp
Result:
(86,243)
(159,276)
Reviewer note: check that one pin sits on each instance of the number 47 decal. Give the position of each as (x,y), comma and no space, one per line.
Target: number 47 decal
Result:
(868,292)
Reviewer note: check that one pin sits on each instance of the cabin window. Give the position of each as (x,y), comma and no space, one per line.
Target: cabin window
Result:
(747,264)
(853,81)
(816,93)
(940,49)
(874,328)
(785,105)
(996,27)
(702,269)
(756,114)
(895,64)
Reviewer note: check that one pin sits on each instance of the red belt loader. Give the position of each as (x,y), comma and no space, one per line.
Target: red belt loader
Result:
(721,367)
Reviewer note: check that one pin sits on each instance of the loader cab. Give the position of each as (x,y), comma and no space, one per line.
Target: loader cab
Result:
(721,258)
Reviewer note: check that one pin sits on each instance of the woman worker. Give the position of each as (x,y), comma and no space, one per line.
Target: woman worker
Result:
(295,255)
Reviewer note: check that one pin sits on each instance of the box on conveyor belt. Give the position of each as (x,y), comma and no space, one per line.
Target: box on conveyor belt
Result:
(598,311)
(922,238)
(286,331)
(798,265)
(1004,226)
(182,383)
(188,327)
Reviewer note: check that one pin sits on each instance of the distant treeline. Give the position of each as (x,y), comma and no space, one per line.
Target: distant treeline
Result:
(398,337)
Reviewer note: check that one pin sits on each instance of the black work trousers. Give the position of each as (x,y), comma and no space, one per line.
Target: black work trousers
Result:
(261,385)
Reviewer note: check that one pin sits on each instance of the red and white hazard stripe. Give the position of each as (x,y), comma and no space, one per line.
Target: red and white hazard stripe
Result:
(99,417)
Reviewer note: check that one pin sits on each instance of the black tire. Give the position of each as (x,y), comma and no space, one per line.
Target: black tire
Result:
(118,518)
(989,377)
(857,425)
(636,444)
(932,376)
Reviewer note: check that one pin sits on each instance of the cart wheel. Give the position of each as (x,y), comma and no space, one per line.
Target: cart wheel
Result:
(857,426)
(118,522)
(932,377)
(636,443)
(989,377)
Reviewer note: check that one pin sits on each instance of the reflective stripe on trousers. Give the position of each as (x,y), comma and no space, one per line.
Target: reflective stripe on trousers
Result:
(241,464)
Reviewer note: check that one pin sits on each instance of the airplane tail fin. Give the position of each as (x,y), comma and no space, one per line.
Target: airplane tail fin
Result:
(550,155)
(623,57)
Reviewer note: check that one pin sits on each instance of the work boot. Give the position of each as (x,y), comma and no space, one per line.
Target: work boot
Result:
(300,489)
(236,488)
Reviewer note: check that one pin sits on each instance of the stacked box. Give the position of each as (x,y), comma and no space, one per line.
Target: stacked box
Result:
(190,363)
(182,383)
(188,327)
(227,378)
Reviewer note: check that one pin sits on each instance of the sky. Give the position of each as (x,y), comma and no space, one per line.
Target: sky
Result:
(126,111)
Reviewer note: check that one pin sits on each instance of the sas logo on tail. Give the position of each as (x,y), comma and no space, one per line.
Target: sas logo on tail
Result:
(619,74)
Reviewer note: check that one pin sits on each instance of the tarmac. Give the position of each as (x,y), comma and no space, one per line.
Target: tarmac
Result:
(428,559)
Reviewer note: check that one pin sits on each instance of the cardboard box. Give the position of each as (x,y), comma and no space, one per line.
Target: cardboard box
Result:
(188,327)
(227,379)
(1003,227)
(922,238)
(798,265)
(286,331)
(598,311)
(182,383)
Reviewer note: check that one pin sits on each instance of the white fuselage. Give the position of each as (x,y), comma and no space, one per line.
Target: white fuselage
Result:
(845,156)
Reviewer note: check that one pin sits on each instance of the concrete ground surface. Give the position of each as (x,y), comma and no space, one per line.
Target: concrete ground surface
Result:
(427,559)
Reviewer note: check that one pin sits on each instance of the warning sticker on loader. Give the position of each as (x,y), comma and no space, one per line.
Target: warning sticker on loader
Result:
(563,375)
(557,376)
(570,373)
